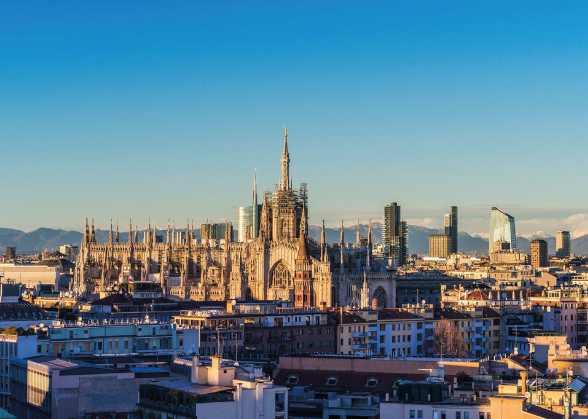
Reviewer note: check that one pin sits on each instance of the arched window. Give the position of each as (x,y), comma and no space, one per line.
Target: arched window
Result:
(281,276)
(381,296)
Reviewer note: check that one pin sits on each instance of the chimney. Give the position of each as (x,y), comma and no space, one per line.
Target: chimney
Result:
(524,381)
(195,364)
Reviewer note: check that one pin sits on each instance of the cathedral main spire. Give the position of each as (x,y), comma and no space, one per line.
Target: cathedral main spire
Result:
(284,183)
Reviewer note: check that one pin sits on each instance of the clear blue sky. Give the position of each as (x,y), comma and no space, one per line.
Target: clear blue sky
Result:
(163,109)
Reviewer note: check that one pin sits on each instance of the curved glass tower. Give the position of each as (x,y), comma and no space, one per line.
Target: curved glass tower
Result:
(502,228)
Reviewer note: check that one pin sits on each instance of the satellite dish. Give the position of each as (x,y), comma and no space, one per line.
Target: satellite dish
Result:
(77,350)
(441,373)
(527,395)
(554,370)
(548,370)
(41,325)
(504,295)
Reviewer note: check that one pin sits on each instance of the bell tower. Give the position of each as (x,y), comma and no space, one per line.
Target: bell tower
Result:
(303,273)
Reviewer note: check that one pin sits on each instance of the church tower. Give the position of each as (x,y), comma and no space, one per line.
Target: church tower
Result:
(303,273)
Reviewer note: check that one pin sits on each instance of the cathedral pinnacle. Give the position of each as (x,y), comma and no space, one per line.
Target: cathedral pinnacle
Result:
(116,236)
(284,183)
(323,255)
(357,239)
(130,230)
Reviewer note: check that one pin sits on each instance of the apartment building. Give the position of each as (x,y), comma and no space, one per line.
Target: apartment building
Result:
(13,346)
(116,338)
(220,390)
(386,332)
(264,331)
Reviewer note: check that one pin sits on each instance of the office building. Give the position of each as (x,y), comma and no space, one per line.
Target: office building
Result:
(249,217)
(502,228)
(217,231)
(395,234)
(451,229)
(539,257)
(46,387)
(248,223)
(562,244)
(10,253)
(69,251)
(439,245)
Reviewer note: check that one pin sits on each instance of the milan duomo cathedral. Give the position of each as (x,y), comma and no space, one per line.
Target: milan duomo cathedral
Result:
(282,263)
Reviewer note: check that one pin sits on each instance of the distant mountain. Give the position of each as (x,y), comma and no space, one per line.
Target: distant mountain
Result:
(536,235)
(418,238)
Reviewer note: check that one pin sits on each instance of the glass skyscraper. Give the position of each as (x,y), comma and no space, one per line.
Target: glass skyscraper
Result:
(502,228)
(395,233)
(249,217)
(451,229)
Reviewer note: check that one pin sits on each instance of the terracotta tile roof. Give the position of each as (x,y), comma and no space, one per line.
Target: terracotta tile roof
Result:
(477,295)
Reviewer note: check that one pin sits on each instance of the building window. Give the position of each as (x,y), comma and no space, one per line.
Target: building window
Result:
(332,380)
(292,379)
(412,414)
(382,339)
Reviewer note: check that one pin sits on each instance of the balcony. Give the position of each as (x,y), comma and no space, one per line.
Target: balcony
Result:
(360,346)
(360,334)
(284,338)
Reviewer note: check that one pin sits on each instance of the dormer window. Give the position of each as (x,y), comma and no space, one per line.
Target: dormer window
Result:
(292,380)
(332,380)
(371,382)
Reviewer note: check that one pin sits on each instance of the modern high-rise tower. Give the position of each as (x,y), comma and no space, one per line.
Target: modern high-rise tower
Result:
(539,255)
(395,233)
(249,217)
(562,244)
(502,228)
(451,229)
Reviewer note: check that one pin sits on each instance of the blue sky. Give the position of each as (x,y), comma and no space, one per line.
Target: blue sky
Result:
(143,109)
